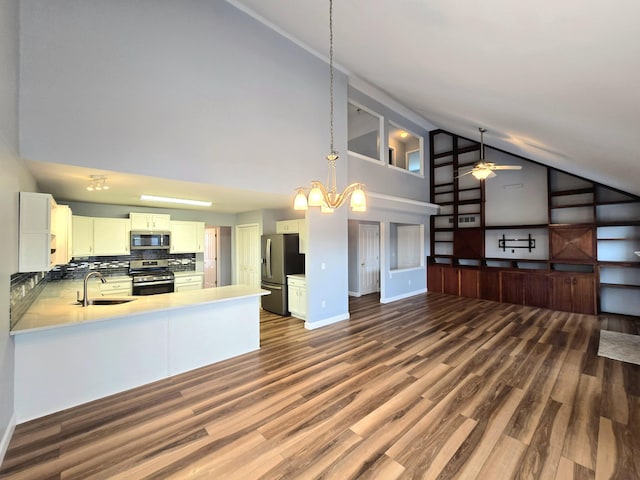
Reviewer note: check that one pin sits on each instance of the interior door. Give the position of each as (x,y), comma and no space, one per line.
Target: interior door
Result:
(248,255)
(210,257)
(369,255)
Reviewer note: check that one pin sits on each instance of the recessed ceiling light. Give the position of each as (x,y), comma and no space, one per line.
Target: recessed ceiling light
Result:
(183,201)
(403,134)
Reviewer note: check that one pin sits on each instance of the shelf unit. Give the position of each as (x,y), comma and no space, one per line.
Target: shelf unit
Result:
(592,233)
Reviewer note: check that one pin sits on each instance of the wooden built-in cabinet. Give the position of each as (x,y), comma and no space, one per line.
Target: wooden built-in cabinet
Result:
(570,292)
(586,238)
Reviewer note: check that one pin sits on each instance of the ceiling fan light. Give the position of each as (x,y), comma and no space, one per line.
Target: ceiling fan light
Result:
(481,174)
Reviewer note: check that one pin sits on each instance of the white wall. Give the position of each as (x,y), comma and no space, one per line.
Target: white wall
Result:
(192,90)
(516,197)
(13,179)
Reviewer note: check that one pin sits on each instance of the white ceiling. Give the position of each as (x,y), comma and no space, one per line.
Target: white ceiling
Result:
(554,81)
(69,183)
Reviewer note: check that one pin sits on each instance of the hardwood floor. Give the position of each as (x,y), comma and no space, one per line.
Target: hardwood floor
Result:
(435,386)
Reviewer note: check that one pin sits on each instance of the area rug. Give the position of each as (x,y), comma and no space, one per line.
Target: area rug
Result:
(620,346)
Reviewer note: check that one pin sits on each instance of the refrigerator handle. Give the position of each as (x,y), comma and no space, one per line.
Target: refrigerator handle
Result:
(268,252)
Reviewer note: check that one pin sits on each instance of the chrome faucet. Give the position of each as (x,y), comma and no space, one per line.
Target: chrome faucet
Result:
(85,299)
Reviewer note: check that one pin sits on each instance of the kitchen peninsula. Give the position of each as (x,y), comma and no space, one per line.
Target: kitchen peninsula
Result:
(66,354)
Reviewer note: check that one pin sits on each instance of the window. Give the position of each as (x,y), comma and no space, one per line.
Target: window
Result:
(364,129)
(408,242)
(407,149)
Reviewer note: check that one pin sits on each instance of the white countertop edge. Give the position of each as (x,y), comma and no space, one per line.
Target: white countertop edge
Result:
(101,311)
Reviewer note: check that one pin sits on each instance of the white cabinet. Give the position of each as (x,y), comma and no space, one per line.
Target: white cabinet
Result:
(61,225)
(117,286)
(82,236)
(287,226)
(150,221)
(297,293)
(111,236)
(302,236)
(94,236)
(298,226)
(37,242)
(187,237)
(192,281)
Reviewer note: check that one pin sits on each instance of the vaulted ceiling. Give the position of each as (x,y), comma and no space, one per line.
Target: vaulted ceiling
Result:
(554,81)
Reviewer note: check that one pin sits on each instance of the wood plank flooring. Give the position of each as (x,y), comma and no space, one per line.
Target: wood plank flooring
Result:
(434,386)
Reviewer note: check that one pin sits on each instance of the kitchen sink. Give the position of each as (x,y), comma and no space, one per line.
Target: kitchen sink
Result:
(109,301)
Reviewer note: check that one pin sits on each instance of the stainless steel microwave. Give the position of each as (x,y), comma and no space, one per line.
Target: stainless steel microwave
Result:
(150,240)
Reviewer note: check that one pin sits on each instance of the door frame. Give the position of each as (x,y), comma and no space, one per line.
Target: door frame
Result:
(237,242)
(360,256)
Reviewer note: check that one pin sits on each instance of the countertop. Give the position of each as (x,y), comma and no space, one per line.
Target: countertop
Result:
(56,306)
(301,276)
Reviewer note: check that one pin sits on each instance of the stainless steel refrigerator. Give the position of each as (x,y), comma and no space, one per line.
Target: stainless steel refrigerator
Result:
(280,257)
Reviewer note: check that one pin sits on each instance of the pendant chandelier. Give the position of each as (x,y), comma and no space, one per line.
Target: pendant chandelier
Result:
(328,198)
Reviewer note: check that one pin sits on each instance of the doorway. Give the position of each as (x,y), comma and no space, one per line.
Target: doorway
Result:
(369,258)
(217,257)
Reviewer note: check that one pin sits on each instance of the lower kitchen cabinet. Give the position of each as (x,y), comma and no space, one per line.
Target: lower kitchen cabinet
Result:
(297,293)
(182,283)
(117,287)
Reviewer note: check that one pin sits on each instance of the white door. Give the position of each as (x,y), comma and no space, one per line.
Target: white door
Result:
(248,254)
(210,257)
(369,255)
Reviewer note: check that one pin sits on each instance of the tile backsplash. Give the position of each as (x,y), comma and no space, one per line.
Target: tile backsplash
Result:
(119,265)
(24,289)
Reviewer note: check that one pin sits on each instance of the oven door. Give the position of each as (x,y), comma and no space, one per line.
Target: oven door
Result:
(152,288)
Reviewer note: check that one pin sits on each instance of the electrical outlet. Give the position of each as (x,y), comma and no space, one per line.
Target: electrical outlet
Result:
(323,303)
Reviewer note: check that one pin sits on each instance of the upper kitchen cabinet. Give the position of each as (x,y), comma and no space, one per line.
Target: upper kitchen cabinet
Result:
(82,235)
(111,236)
(187,237)
(93,236)
(298,226)
(61,226)
(37,244)
(150,221)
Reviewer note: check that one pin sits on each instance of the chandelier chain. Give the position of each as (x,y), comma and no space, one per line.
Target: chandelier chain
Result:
(331,150)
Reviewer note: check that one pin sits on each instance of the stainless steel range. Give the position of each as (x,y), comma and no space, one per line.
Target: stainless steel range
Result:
(151,277)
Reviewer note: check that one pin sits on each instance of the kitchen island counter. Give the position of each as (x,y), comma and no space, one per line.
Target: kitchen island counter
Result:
(66,354)
(56,306)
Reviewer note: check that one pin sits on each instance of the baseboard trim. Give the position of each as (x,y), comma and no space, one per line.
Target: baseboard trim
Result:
(327,321)
(6,438)
(403,296)
(354,294)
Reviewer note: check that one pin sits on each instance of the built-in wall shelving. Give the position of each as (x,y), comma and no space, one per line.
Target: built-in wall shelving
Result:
(593,231)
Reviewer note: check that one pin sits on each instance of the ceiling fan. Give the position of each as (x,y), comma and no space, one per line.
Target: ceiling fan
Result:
(483,169)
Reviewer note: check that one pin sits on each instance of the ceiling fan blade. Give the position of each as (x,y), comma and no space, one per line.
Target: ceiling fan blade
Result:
(506,167)
(463,174)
